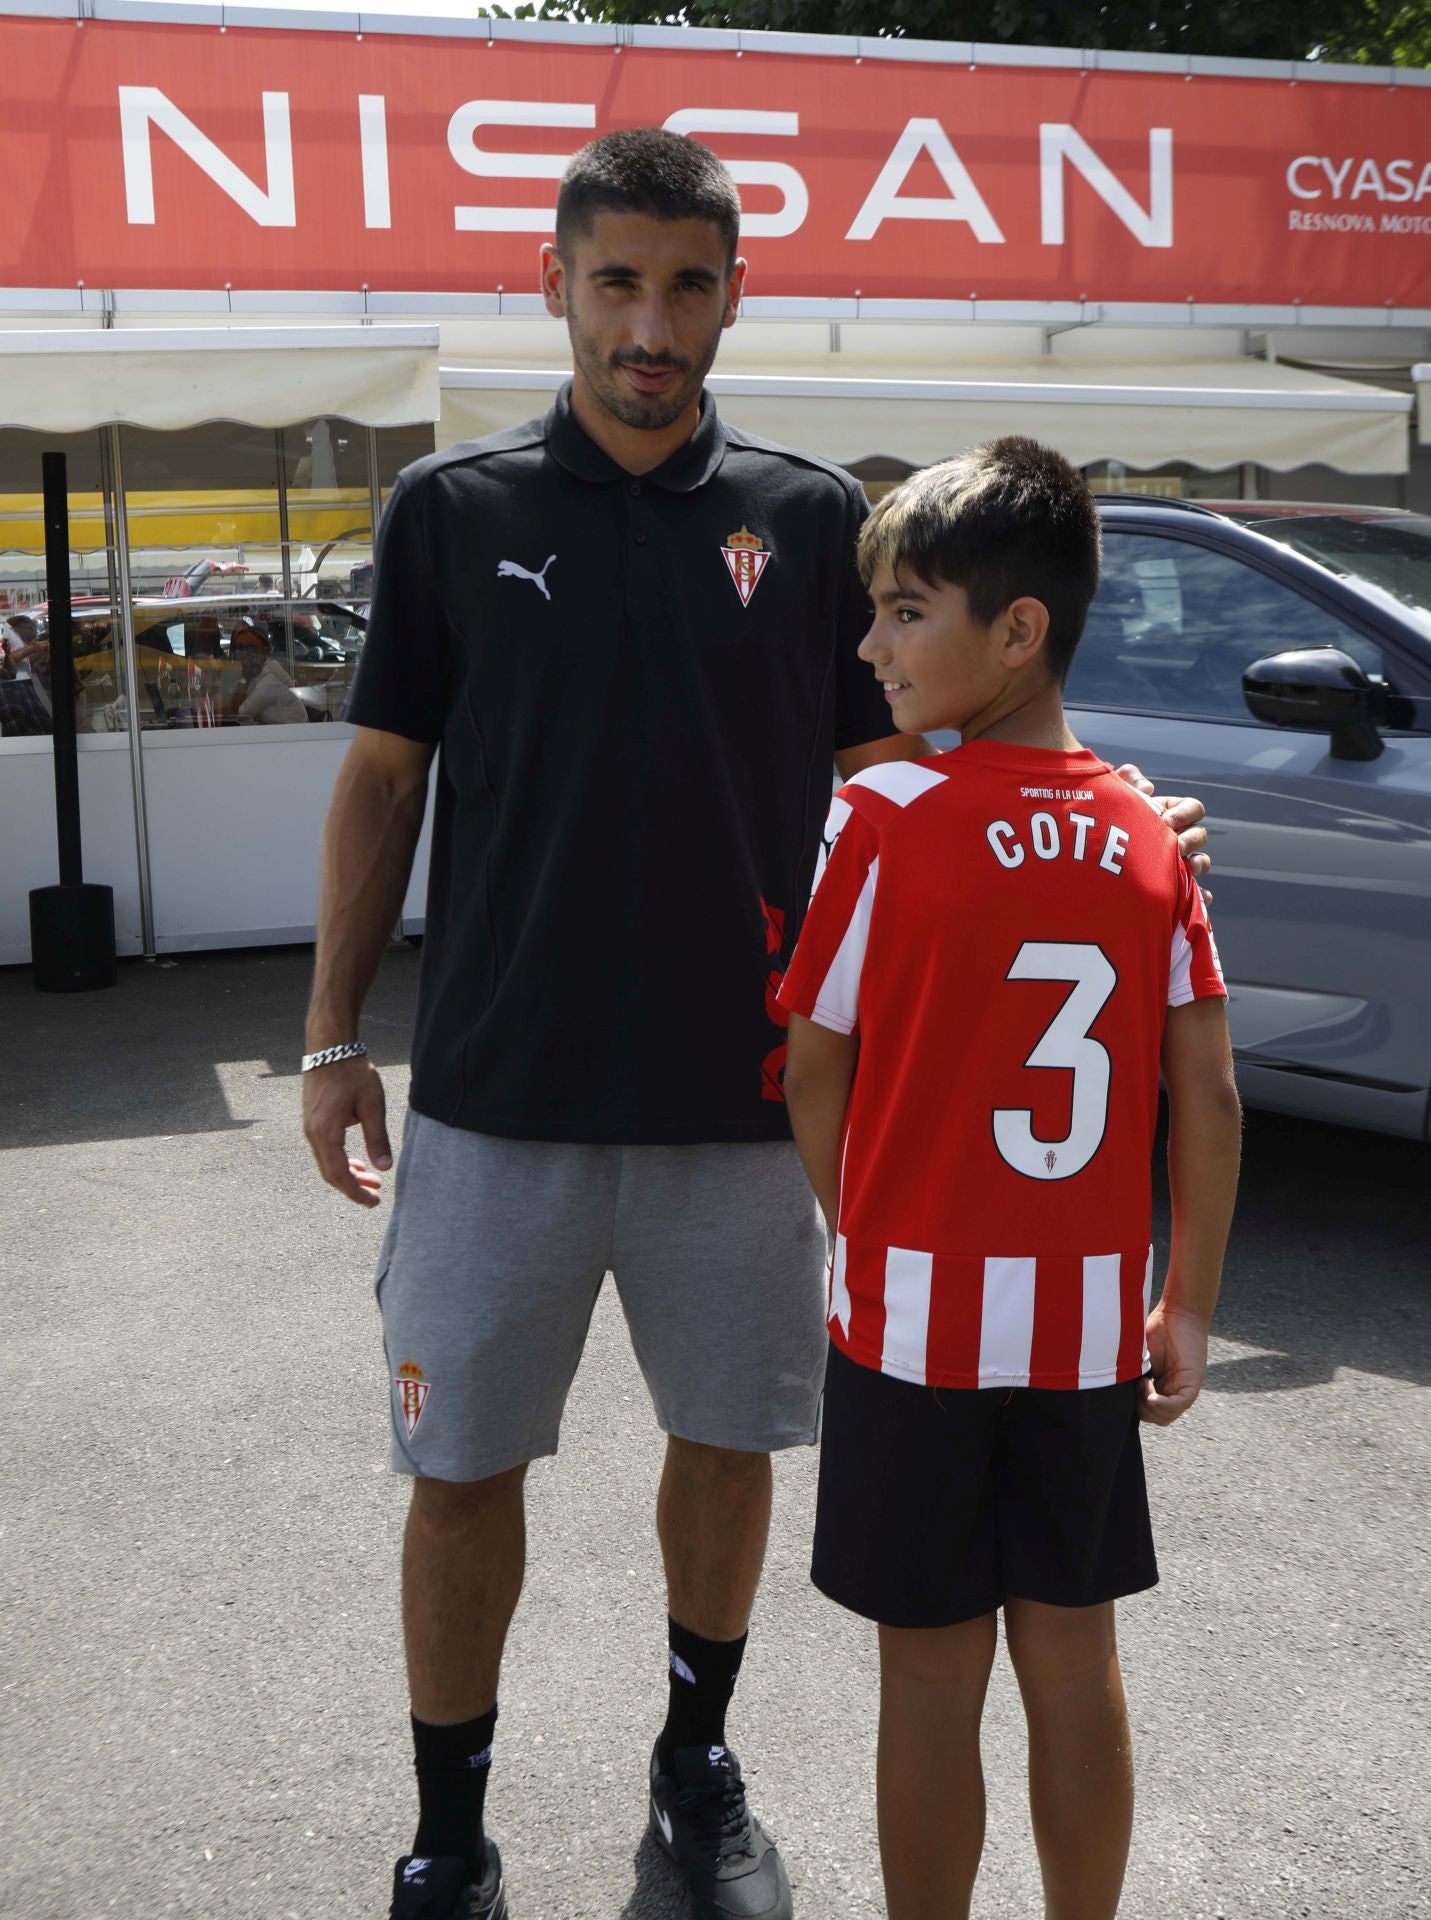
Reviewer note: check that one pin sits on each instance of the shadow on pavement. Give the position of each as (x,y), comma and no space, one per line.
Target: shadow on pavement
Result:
(142,1060)
(659,1893)
(1330,1260)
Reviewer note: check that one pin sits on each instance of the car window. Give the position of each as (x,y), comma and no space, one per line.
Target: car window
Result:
(160,636)
(1174,625)
(1394,555)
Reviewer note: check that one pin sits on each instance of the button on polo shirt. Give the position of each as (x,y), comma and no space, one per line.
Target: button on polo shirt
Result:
(637,687)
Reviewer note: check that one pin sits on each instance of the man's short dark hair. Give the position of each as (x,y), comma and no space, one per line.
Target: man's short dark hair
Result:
(646,170)
(1009,519)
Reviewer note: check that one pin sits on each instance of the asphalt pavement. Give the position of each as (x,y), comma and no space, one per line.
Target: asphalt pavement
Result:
(201,1700)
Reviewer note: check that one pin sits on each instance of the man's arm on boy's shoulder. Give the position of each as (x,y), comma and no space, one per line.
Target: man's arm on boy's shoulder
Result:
(1184,814)
(1204,1149)
(819,1072)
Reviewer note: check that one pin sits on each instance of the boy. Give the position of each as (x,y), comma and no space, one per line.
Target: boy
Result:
(986,1178)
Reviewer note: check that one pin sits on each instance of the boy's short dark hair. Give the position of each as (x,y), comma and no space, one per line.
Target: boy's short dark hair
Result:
(646,170)
(1008,519)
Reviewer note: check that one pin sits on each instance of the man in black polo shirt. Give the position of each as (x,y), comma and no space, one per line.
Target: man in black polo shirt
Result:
(631,632)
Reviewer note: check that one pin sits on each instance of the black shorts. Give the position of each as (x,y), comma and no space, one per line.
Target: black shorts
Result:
(937,1503)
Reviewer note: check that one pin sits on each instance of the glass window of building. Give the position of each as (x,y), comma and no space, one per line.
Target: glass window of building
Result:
(26,684)
(251,563)
(202,513)
(1175,481)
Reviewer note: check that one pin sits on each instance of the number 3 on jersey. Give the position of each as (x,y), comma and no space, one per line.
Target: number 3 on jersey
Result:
(1065,1044)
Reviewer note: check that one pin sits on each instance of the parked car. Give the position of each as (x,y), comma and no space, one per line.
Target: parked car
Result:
(1385,552)
(174,640)
(1276,661)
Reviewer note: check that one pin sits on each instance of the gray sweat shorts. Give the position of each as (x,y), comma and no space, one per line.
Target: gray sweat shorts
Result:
(496,1251)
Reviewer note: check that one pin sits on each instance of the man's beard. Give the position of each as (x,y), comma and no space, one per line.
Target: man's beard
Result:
(648,413)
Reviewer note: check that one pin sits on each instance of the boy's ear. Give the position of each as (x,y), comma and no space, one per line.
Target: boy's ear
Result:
(1027,631)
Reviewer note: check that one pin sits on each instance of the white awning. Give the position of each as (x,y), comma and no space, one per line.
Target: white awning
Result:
(1212,413)
(69,380)
(1422,376)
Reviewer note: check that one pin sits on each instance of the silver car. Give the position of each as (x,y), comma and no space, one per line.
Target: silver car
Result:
(1276,661)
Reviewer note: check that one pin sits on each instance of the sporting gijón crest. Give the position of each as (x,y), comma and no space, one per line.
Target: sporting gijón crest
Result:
(412,1392)
(746,556)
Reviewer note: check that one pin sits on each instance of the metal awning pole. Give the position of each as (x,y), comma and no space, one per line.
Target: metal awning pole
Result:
(106,494)
(125,631)
(375,492)
(375,513)
(62,673)
(282,480)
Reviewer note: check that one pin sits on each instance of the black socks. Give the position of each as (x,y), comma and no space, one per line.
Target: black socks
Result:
(702,1680)
(452,1768)
(453,1763)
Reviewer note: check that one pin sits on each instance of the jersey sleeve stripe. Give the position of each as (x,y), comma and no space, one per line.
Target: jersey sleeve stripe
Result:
(837,1001)
(1195,972)
(835,819)
(897,780)
(1180,988)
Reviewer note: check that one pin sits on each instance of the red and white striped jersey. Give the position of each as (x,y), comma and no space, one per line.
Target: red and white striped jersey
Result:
(1005,928)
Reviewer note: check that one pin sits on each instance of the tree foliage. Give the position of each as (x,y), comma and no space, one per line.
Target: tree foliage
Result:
(1382,32)
(1385,33)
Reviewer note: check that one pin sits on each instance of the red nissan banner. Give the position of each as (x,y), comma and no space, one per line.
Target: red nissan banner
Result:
(179,157)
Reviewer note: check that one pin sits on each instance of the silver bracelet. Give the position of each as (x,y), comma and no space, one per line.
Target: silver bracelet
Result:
(325,1056)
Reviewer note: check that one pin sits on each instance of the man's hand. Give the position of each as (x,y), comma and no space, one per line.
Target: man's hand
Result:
(368,839)
(349,1093)
(1184,816)
(1177,1347)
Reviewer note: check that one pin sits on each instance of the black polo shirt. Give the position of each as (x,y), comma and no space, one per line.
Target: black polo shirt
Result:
(638,686)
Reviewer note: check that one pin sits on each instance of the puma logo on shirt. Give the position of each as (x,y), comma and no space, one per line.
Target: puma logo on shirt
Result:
(509,570)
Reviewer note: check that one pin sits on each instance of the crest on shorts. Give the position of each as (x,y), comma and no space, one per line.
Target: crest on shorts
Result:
(747,559)
(412,1392)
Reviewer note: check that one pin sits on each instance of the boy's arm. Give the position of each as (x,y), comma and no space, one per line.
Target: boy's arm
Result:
(1204,1148)
(818,1074)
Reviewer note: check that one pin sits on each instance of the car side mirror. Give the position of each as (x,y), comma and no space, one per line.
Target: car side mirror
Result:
(1321,690)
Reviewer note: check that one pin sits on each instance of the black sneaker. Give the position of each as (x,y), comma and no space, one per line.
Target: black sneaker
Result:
(700,1818)
(440,1890)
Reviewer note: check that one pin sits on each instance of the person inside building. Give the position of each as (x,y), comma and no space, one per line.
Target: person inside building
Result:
(25,707)
(266,694)
(25,650)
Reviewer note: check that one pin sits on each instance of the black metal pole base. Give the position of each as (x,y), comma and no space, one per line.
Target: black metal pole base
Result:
(72,938)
